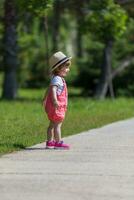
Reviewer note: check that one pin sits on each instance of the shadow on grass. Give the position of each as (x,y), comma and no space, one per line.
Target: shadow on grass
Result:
(6,148)
(12,146)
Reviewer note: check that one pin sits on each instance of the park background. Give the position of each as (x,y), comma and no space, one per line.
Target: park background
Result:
(99,35)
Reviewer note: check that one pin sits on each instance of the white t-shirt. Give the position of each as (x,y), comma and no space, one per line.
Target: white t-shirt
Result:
(57,80)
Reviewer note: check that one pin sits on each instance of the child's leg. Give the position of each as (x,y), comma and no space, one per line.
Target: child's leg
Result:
(57,131)
(50,131)
(59,144)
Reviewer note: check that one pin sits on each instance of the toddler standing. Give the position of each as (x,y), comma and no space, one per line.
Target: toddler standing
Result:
(55,101)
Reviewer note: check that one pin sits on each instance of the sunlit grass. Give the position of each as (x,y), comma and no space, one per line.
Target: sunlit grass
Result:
(24,123)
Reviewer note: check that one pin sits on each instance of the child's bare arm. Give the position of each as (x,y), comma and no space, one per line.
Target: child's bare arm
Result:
(54,96)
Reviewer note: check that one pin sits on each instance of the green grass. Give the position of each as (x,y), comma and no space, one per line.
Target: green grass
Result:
(23,122)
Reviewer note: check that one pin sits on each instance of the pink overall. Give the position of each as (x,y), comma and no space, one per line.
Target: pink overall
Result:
(56,114)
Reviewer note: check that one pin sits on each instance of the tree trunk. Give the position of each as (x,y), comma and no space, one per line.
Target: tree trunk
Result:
(46,40)
(79,36)
(10,51)
(56,25)
(105,78)
(124,64)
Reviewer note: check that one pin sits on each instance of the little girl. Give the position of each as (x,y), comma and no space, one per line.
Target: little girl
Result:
(55,101)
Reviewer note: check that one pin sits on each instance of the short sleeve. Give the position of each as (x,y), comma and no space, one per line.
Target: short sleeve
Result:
(57,80)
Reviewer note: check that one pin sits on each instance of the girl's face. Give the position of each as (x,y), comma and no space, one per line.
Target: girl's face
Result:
(65,69)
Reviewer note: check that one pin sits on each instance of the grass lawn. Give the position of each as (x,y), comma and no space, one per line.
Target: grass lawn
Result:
(23,122)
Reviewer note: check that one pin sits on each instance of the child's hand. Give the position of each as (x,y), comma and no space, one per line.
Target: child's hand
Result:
(55,102)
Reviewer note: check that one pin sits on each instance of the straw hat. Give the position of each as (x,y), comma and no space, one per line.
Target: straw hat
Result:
(58,59)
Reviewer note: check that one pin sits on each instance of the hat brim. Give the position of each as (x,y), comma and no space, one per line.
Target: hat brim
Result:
(60,63)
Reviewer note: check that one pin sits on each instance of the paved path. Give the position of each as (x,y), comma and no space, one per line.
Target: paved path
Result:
(99,166)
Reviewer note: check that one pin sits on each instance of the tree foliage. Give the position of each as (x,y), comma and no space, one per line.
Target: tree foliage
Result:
(82,29)
(39,8)
(106,20)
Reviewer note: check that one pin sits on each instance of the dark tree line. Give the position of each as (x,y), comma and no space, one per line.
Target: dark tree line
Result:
(105,20)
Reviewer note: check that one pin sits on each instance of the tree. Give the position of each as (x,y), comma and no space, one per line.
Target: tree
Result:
(107,21)
(78,10)
(56,24)
(10,61)
(38,9)
(10,51)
